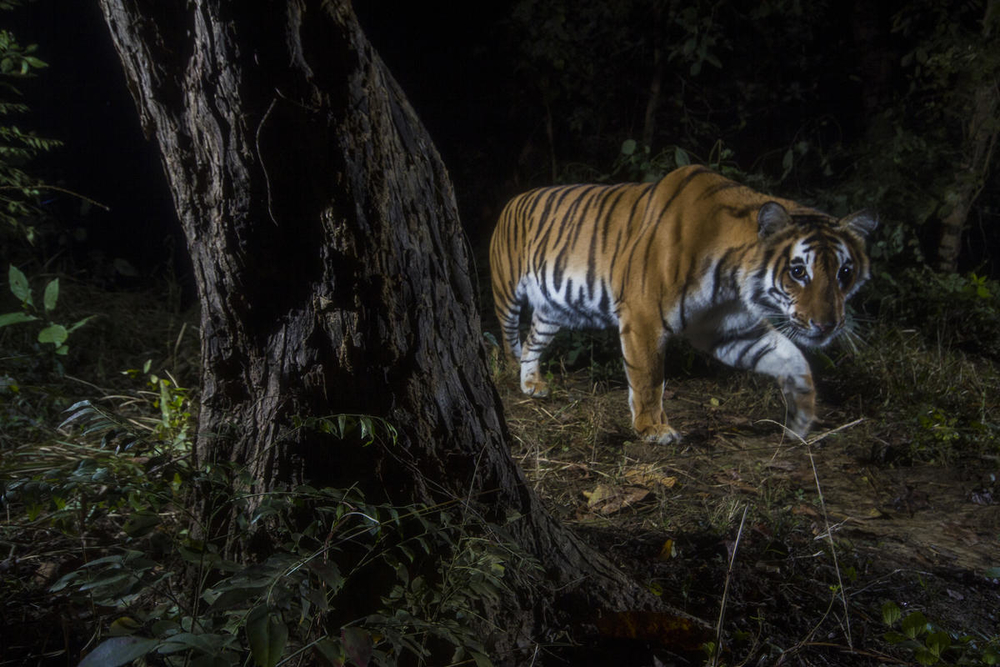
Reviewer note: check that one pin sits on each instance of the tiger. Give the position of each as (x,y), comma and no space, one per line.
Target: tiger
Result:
(743,276)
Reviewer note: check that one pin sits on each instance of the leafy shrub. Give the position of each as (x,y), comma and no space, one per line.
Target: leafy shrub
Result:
(962,309)
(344,582)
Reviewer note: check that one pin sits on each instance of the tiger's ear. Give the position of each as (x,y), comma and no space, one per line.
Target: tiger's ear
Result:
(861,222)
(771,218)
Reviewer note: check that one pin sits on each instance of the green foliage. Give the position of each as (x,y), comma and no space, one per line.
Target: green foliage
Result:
(51,332)
(344,582)
(931,645)
(172,401)
(284,606)
(929,400)
(18,188)
(967,307)
(638,163)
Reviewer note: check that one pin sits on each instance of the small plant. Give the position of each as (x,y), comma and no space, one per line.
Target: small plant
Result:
(173,402)
(51,333)
(931,645)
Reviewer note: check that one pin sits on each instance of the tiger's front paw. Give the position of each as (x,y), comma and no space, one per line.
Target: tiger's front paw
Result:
(535,387)
(800,402)
(800,423)
(660,434)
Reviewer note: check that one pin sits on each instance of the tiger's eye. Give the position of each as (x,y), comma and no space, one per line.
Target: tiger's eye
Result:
(845,274)
(798,272)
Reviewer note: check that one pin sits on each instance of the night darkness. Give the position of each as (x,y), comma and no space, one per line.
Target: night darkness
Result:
(841,105)
(784,83)
(82,100)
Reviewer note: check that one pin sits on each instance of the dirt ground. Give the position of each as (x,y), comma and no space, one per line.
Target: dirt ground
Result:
(803,543)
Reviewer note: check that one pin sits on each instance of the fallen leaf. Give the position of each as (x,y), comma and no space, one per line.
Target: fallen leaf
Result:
(607,499)
(663,628)
(648,475)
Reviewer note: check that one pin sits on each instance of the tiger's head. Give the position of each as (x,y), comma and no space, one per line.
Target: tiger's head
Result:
(810,265)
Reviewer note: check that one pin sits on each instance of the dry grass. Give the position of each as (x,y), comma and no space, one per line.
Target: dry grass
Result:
(832,529)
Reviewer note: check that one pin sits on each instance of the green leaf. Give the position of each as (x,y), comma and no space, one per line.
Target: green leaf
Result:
(118,651)
(329,573)
(925,657)
(236,596)
(788,161)
(54,333)
(15,318)
(19,285)
(35,62)
(332,651)
(106,581)
(891,613)
(681,157)
(628,146)
(481,660)
(51,295)
(267,636)
(914,625)
(205,643)
(938,642)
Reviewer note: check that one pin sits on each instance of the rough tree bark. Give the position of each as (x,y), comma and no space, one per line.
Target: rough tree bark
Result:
(330,266)
(980,138)
(977,153)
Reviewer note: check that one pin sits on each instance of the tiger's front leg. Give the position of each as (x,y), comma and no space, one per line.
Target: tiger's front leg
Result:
(764,350)
(643,342)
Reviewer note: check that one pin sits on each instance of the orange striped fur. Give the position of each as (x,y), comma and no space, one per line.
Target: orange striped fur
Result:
(743,276)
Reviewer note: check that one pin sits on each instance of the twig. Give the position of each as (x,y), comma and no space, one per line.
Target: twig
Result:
(833,549)
(725,590)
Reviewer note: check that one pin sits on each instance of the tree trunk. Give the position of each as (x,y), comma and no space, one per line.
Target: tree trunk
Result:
(331,269)
(656,83)
(980,138)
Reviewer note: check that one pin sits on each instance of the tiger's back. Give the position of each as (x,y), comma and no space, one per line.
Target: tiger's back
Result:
(686,255)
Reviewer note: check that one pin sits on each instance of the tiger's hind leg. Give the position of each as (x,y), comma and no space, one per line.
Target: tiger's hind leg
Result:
(539,337)
(509,317)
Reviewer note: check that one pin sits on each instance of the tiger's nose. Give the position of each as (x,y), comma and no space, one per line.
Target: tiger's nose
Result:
(823,328)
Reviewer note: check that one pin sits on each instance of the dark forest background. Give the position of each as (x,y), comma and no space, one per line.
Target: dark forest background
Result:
(844,105)
(892,106)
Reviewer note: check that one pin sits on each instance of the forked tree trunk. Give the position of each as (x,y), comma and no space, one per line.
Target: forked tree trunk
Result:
(330,264)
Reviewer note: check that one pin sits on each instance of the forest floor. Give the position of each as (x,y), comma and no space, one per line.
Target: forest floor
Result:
(803,543)
(806,549)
